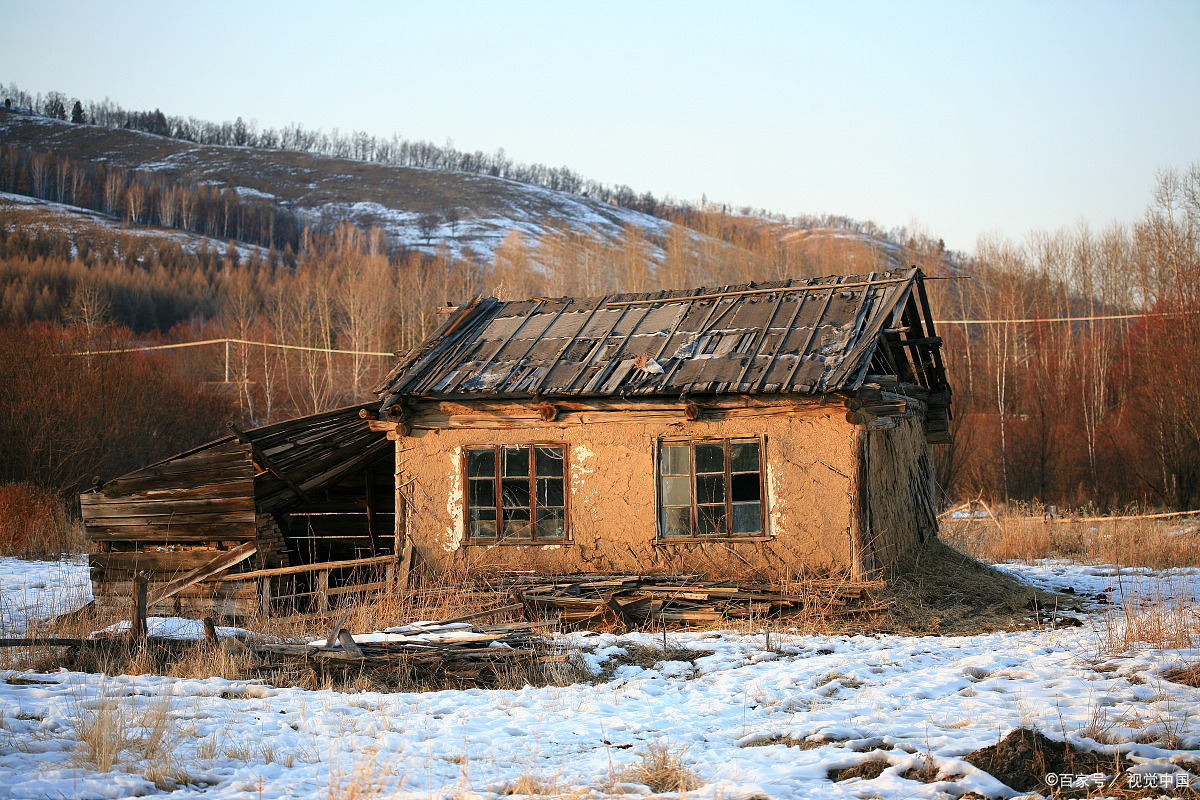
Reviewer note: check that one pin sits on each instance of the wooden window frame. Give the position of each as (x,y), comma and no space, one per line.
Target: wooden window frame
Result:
(499,538)
(725,441)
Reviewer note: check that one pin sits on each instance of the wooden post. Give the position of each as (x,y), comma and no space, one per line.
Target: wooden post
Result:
(210,631)
(138,627)
(323,590)
(402,544)
(264,596)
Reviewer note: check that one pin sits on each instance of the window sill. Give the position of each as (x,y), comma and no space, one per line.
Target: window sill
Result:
(736,539)
(516,542)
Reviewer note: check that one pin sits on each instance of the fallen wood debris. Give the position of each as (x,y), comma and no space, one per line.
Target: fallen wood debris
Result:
(453,649)
(631,601)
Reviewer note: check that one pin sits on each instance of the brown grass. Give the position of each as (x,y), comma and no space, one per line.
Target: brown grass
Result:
(35,524)
(1021,536)
(1158,613)
(663,768)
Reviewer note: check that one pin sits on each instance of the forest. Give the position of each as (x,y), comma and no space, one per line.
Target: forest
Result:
(1070,352)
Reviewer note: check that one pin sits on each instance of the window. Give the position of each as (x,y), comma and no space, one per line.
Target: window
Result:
(711,488)
(516,493)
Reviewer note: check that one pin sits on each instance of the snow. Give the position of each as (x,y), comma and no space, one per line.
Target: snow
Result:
(908,700)
(31,591)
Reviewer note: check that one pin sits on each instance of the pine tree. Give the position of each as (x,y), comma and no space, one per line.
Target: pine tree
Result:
(77,115)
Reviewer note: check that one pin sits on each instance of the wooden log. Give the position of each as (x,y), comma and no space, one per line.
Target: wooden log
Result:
(301,568)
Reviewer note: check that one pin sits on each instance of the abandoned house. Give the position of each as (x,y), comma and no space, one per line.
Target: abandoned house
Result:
(761,430)
(773,429)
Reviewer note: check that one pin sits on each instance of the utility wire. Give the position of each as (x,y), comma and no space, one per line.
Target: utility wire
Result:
(231,341)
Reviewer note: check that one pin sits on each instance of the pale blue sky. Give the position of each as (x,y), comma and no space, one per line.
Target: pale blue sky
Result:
(965,118)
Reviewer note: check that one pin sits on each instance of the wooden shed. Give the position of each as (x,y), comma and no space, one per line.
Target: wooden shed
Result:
(285,517)
(766,429)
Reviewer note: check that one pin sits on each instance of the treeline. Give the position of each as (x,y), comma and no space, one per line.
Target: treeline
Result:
(70,418)
(1093,412)
(146,198)
(363,146)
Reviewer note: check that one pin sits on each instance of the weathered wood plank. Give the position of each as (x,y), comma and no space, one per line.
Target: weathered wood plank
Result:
(172,532)
(174,507)
(220,563)
(169,518)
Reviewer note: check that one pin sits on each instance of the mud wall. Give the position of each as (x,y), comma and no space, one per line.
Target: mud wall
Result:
(900,513)
(810,453)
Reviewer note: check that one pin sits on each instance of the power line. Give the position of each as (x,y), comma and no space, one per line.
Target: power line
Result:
(228,342)
(1056,319)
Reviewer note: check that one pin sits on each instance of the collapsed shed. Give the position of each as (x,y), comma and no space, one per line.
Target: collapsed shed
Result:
(288,516)
(766,429)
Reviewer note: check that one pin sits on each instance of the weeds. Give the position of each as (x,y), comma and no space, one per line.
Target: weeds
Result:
(663,768)
(113,732)
(1156,613)
(1021,535)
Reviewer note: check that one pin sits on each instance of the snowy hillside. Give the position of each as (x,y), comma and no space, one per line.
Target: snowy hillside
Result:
(474,212)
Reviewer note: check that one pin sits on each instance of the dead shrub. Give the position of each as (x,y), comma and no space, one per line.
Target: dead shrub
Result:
(663,768)
(35,525)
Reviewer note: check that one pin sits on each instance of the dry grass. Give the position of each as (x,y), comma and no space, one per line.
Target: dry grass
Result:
(1158,613)
(114,732)
(663,768)
(1021,536)
(35,524)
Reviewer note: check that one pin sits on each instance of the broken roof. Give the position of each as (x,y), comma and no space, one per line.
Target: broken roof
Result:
(796,336)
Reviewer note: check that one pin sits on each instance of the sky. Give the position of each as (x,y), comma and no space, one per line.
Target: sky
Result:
(959,119)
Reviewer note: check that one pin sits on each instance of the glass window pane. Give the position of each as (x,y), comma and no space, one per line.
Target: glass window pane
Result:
(677,521)
(710,488)
(516,461)
(551,523)
(710,458)
(743,456)
(710,520)
(747,518)
(548,461)
(517,524)
(481,463)
(550,492)
(483,523)
(483,493)
(515,492)
(745,488)
(674,460)
(677,491)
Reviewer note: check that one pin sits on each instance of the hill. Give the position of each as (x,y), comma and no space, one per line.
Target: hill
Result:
(416,208)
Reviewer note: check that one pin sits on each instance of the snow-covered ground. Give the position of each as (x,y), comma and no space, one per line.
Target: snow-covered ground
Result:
(911,701)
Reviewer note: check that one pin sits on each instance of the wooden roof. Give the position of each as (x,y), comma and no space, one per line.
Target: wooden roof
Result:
(796,336)
(285,461)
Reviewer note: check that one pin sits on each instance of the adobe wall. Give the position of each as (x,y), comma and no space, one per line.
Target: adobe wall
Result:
(810,454)
(900,504)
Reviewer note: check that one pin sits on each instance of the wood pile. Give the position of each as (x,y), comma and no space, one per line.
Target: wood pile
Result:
(633,601)
(451,649)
